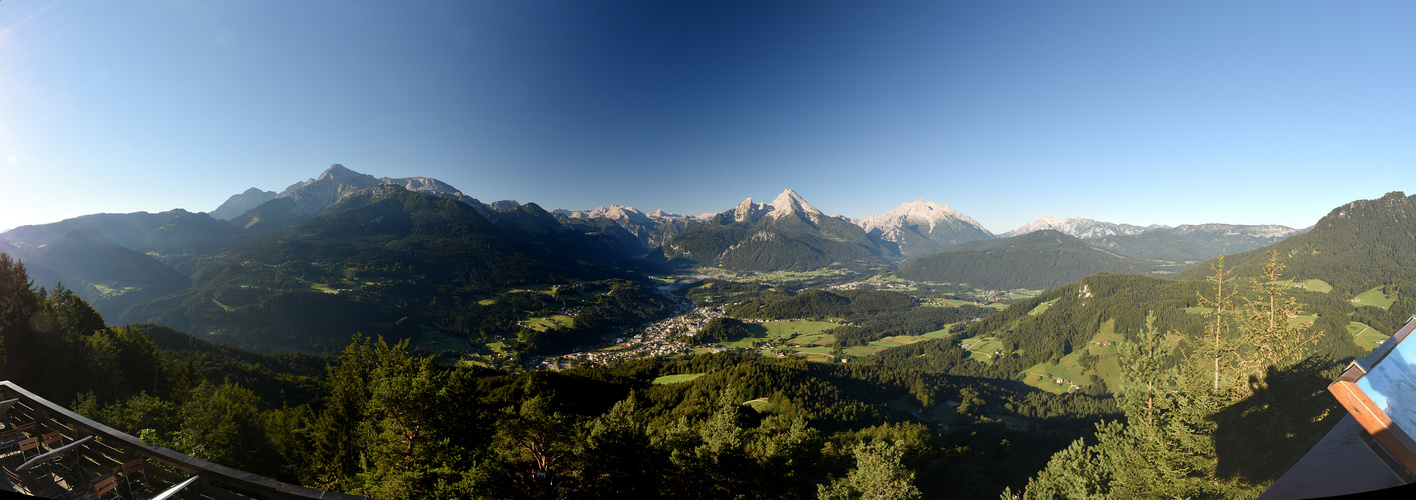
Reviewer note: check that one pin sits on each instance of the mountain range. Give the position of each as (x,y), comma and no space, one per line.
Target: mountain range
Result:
(1079,227)
(334,184)
(376,248)
(786,234)
(1351,275)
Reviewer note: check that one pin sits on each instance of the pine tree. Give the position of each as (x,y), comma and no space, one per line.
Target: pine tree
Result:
(879,475)
(1215,347)
(18,305)
(1267,331)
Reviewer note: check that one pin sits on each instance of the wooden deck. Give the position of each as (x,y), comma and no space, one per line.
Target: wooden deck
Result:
(139,470)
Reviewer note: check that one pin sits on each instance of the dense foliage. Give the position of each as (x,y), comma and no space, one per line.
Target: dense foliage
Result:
(383,421)
(868,315)
(388,261)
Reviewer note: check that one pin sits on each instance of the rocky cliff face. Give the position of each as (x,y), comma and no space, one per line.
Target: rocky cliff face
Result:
(922,228)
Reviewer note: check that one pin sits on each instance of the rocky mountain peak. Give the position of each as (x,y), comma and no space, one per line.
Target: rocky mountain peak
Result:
(1078,227)
(918,211)
(744,210)
(790,202)
(342,175)
(922,227)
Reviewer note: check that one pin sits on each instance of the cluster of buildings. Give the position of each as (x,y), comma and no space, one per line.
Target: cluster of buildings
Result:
(655,339)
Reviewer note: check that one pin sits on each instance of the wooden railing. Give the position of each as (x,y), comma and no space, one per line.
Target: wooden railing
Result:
(110,448)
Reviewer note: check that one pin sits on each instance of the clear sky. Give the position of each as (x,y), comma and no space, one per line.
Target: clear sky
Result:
(1134,112)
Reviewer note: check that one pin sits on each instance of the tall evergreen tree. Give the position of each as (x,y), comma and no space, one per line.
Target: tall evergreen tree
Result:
(1266,326)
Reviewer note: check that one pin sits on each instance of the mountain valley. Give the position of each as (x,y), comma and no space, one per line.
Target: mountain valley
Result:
(978,357)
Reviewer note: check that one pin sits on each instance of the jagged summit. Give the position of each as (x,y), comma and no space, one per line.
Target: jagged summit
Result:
(922,227)
(616,212)
(626,213)
(1079,227)
(790,202)
(919,211)
(340,173)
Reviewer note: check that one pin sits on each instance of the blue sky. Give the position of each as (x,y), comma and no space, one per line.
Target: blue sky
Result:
(1133,112)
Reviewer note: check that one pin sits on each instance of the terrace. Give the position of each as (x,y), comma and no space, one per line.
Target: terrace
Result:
(49,451)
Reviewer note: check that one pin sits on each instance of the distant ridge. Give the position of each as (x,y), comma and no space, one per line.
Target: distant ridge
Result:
(1188,242)
(239,204)
(1036,260)
(333,185)
(1079,227)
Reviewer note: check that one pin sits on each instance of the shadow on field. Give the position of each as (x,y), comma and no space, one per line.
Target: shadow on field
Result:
(1261,437)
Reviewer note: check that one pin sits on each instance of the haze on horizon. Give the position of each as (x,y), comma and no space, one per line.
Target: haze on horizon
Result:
(1257,113)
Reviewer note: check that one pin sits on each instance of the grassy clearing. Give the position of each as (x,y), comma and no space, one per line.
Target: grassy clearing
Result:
(223,306)
(321,287)
(674,379)
(1366,337)
(1373,297)
(1023,293)
(759,404)
(1300,320)
(937,334)
(436,341)
(903,403)
(805,339)
(999,306)
(861,351)
(1314,285)
(1104,345)
(900,340)
(981,347)
(543,323)
(1041,308)
(791,329)
(1014,422)
(956,302)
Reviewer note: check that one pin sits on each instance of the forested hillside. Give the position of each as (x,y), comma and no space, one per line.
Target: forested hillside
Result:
(1355,247)
(380,420)
(974,400)
(383,261)
(867,315)
(1040,259)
